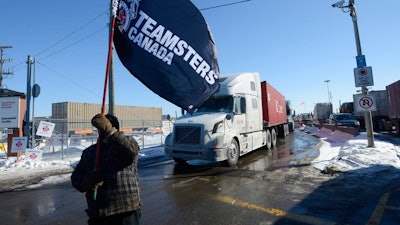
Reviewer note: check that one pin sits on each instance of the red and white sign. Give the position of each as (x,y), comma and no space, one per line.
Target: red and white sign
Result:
(75,140)
(18,144)
(45,129)
(33,155)
(363,76)
(365,103)
(54,140)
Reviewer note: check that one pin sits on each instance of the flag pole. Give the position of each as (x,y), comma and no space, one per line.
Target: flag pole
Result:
(109,56)
(111,102)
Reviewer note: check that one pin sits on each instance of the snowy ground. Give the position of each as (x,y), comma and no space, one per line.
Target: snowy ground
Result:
(339,152)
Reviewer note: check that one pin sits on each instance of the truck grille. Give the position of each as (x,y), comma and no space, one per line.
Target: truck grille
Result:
(187,135)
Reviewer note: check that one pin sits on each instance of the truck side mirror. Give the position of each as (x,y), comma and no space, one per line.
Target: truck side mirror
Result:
(228,116)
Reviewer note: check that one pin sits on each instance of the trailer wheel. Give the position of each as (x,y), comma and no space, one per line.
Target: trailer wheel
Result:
(269,140)
(273,137)
(233,153)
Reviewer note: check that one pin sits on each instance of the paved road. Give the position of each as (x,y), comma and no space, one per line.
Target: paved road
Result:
(267,187)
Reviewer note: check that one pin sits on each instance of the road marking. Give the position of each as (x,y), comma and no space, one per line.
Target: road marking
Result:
(230,200)
(379,209)
(271,211)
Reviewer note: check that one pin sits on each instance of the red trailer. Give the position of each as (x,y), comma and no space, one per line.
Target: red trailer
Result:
(274,109)
(274,105)
(393,95)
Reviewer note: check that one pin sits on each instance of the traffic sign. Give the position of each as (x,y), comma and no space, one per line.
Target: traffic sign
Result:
(363,76)
(361,61)
(365,103)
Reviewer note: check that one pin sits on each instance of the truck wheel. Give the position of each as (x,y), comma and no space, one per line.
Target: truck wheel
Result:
(269,141)
(233,153)
(273,138)
(180,161)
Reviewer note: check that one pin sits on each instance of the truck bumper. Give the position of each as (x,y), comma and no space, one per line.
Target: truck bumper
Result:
(211,154)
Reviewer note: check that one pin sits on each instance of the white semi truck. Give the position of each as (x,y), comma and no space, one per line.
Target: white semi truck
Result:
(244,115)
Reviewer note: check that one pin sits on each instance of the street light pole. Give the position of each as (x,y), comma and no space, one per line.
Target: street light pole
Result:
(329,92)
(367,113)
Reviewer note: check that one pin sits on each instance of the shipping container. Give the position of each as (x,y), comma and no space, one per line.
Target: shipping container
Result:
(273,104)
(393,97)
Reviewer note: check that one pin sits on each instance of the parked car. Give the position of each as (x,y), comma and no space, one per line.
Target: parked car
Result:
(343,119)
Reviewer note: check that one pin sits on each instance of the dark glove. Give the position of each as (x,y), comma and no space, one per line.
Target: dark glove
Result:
(93,180)
(103,124)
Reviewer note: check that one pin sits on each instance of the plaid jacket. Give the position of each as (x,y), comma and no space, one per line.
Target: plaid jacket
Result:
(118,163)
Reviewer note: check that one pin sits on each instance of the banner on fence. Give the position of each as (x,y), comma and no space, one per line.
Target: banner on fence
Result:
(54,140)
(75,140)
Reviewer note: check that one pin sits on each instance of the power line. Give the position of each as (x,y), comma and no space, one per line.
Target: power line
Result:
(69,35)
(67,78)
(74,43)
(224,5)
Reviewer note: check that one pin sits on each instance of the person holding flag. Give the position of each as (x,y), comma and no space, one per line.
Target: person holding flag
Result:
(112,190)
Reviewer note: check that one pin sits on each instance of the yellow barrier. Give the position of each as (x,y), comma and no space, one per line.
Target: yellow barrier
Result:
(3,147)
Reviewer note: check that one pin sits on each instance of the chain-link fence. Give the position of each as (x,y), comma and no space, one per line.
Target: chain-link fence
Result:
(79,134)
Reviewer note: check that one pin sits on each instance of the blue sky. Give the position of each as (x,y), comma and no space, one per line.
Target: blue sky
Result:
(294,45)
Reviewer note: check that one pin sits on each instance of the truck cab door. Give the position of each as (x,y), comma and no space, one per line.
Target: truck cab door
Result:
(239,110)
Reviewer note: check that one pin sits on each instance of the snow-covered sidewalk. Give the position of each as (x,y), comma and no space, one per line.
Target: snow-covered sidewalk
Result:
(341,152)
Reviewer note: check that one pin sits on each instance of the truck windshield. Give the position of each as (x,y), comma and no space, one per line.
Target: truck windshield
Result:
(217,104)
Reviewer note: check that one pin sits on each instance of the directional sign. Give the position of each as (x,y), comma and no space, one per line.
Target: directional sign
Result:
(363,76)
(364,103)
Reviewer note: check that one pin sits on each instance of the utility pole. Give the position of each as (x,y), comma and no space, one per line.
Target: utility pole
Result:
(2,61)
(27,128)
(360,65)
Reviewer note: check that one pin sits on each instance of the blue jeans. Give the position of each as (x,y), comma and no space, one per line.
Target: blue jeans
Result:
(128,218)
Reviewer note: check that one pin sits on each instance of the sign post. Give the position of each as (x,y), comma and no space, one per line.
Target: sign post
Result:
(362,74)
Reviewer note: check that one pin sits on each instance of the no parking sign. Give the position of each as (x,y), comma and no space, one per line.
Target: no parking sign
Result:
(363,76)
(364,103)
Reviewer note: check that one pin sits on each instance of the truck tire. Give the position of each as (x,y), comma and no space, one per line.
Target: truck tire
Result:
(273,137)
(269,140)
(233,153)
(180,161)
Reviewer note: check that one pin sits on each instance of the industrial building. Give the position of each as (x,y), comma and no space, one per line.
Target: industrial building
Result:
(74,117)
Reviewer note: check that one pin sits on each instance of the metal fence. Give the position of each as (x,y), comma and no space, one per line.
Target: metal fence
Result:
(148,133)
(80,126)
